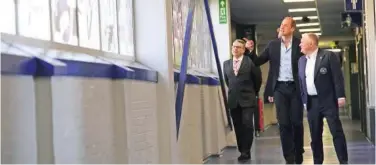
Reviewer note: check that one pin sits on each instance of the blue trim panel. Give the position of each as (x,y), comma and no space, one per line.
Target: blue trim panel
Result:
(191,79)
(209,81)
(34,66)
(45,69)
(20,65)
(110,71)
(198,80)
(145,75)
(87,69)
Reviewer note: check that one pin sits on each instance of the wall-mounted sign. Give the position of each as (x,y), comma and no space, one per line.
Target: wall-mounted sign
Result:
(222,12)
(351,19)
(353,5)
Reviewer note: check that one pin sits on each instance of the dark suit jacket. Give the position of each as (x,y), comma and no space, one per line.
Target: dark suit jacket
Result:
(257,69)
(329,80)
(272,53)
(241,88)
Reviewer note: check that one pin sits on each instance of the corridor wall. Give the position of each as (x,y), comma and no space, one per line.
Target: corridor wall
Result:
(67,111)
(57,110)
(370,49)
(203,126)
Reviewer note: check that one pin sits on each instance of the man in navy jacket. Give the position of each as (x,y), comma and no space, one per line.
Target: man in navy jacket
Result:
(322,91)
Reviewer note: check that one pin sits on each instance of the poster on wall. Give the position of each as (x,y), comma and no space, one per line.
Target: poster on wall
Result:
(88,24)
(64,21)
(109,26)
(34,19)
(8,23)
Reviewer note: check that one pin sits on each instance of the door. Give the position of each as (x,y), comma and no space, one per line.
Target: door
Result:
(361,86)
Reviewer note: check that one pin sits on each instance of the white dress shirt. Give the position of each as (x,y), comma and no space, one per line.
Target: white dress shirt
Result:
(310,73)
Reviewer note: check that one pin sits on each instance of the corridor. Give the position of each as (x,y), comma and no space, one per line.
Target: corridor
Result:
(268,150)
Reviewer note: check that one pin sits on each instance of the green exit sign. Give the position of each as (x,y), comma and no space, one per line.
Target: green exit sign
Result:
(222,12)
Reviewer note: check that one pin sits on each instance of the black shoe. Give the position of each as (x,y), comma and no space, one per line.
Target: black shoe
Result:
(290,160)
(299,159)
(257,134)
(244,157)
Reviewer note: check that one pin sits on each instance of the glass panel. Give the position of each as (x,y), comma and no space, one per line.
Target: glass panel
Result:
(109,26)
(7,10)
(179,16)
(200,48)
(125,27)
(64,21)
(33,19)
(88,23)
(200,51)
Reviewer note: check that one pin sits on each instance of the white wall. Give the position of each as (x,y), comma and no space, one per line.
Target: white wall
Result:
(153,47)
(222,33)
(88,123)
(371,59)
(97,120)
(18,125)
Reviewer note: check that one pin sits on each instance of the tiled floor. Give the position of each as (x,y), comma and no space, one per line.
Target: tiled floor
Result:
(268,150)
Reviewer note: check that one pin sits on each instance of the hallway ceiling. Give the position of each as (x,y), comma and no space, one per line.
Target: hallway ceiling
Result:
(268,14)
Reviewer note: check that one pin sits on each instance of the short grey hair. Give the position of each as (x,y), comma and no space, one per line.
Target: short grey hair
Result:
(313,37)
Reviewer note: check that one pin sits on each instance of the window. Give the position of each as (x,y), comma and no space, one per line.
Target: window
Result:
(109,26)
(64,21)
(200,51)
(34,19)
(8,24)
(88,17)
(125,27)
(105,25)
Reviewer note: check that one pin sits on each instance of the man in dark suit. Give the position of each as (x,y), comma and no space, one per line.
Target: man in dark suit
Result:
(241,79)
(283,55)
(322,91)
(251,53)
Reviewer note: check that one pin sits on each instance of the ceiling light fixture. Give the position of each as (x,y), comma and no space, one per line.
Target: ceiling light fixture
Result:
(300,18)
(310,30)
(308,24)
(289,1)
(302,10)
(334,50)
(318,34)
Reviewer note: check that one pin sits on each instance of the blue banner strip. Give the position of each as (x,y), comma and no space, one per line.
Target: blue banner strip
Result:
(215,48)
(183,67)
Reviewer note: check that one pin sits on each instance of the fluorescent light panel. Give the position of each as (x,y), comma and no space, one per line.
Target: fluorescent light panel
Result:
(302,10)
(334,50)
(308,24)
(318,33)
(289,1)
(310,30)
(300,18)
